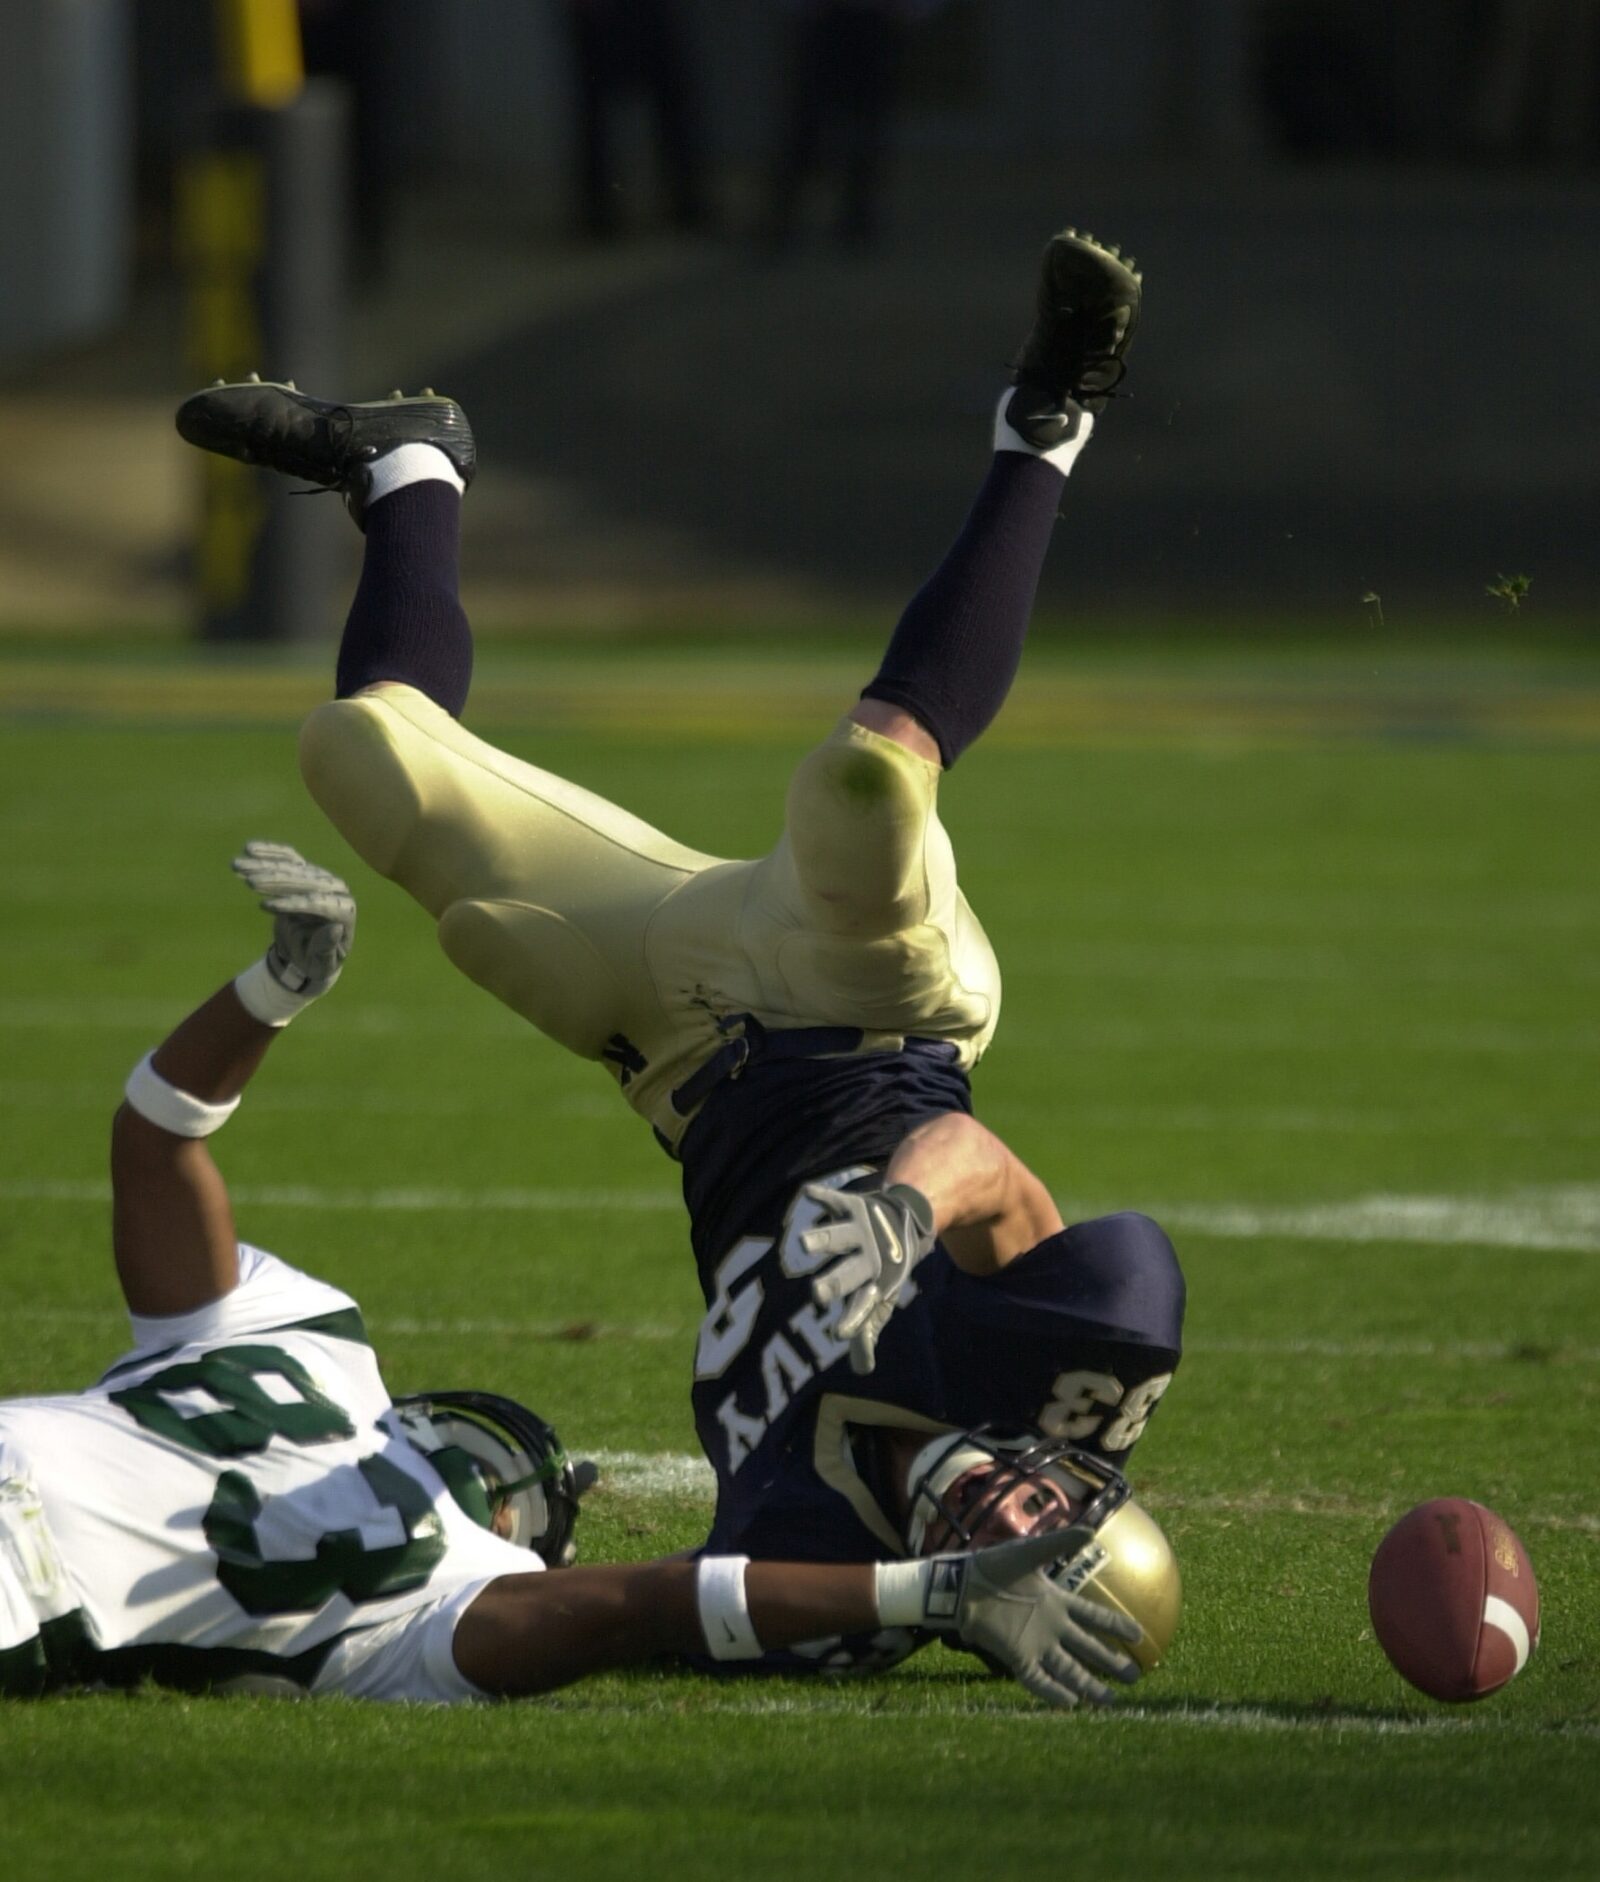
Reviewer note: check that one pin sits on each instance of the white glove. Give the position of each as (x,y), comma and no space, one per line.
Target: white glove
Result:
(315,920)
(1001,1602)
(879,1236)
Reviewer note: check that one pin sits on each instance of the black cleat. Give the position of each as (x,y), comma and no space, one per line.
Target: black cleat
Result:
(279,427)
(1087,308)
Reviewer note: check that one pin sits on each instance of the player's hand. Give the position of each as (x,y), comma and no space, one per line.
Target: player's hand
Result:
(879,1236)
(314,916)
(1002,1602)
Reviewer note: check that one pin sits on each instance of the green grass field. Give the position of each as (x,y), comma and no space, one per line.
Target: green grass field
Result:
(1300,957)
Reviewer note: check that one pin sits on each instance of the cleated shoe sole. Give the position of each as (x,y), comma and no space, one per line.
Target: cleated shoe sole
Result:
(282,428)
(1087,308)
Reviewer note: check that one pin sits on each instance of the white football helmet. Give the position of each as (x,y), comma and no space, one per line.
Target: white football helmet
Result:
(503,1464)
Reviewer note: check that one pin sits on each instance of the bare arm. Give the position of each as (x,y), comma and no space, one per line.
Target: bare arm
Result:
(531,1633)
(171,1222)
(950,1180)
(988,1206)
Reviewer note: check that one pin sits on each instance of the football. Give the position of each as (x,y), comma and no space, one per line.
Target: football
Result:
(1453,1599)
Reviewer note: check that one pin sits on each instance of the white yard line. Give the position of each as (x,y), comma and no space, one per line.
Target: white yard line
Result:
(579,1330)
(110,1014)
(1305,917)
(40,1013)
(1343,1508)
(1557,1218)
(645,1473)
(1244,1718)
(1488,1038)
(655,1473)
(1220,1121)
(99,1097)
(1365,1349)
(404,1201)
(574,1332)
(604,1105)
(829,1701)
(1289,963)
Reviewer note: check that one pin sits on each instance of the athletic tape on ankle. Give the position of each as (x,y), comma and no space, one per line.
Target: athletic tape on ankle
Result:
(724,1610)
(410,464)
(170,1109)
(1063,456)
(264,997)
(901,1589)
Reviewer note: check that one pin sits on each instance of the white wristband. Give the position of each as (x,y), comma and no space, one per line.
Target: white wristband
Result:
(724,1611)
(1063,455)
(921,1594)
(170,1109)
(900,1588)
(264,997)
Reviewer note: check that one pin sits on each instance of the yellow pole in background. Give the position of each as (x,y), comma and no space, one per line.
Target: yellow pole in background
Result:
(260,210)
(259,51)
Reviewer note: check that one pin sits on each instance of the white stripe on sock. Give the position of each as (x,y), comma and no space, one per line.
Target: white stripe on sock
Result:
(1063,456)
(410,464)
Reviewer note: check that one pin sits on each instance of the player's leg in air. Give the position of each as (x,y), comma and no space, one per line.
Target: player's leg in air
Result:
(673,967)
(862,890)
(541,890)
(798,1029)
(1064,1338)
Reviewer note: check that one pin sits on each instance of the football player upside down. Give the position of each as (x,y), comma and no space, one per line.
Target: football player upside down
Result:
(879,1269)
(239,1503)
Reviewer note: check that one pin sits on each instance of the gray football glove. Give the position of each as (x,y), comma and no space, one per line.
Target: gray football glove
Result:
(314,916)
(1001,1602)
(879,1236)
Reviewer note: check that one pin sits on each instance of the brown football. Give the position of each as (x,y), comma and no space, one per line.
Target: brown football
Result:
(1453,1599)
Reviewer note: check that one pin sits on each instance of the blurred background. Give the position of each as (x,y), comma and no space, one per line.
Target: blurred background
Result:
(728,287)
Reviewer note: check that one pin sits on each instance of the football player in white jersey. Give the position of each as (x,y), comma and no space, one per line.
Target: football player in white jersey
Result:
(239,1502)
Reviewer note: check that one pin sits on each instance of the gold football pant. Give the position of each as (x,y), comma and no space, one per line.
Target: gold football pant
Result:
(629,948)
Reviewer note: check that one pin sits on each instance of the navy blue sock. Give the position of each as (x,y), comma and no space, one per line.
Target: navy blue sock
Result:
(406,622)
(956,650)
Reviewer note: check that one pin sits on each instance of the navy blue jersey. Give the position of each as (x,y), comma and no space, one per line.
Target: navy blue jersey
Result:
(1079,1338)
(786,1122)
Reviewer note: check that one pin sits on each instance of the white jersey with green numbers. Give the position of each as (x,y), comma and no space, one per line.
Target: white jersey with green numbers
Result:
(235,1498)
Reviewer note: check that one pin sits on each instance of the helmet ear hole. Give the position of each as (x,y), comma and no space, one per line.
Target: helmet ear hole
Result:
(503,1465)
(973,1489)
